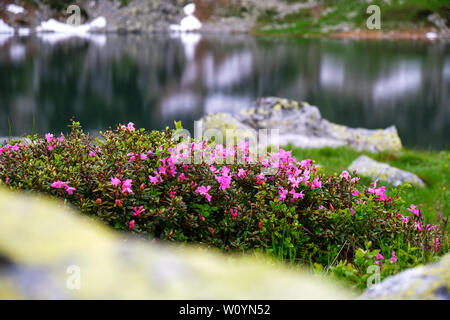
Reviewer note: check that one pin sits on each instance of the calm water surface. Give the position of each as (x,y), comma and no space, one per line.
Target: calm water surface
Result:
(154,80)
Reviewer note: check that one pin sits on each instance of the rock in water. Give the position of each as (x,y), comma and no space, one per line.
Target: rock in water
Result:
(303,126)
(368,167)
(426,282)
(48,252)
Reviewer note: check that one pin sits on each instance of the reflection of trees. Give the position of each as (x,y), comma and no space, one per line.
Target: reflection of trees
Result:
(150,80)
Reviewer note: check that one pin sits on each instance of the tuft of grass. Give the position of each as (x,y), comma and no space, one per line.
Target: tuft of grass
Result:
(431,166)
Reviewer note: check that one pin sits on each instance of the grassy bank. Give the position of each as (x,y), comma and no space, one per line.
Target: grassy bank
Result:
(324,19)
(431,166)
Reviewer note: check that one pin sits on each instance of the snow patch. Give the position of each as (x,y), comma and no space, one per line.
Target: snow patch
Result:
(431,35)
(23,31)
(58,27)
(189,9)
(4,28)
(188,23)
(15,9)
(53,31)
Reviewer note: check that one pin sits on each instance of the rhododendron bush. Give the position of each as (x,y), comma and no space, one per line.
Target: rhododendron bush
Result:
(149,183)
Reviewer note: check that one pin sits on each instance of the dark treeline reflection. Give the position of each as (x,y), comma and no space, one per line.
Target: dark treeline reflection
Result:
(154,80)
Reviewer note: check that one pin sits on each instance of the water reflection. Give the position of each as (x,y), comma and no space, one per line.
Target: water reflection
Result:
(153,80)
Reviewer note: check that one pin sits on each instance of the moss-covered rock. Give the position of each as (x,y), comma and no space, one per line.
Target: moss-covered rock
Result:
(43,247)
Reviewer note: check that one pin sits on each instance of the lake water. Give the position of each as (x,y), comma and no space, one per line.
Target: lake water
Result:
(154,80)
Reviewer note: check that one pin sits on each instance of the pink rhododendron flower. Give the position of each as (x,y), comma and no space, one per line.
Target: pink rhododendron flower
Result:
(345,175)
(49,137)
(115,181)
(361,201)
(61,138)
(296,195)
(137,212)
(224,179)
(379,256)
(91,154)
(380,192)
(316,183)
(436,244)
(182,178)
(118,203)
(131,224)
(241,173)
(393,259)
(260,178)
(154,179)
(418,226)
(58,184)
(50,148)
(204,191)
(126,186)
(233,213)
(70,190)
(294,181)
(352,211)
(414,210)
(282,193)
(356,193)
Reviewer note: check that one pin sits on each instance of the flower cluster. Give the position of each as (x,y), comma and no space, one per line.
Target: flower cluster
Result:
(163,187)
(63,185)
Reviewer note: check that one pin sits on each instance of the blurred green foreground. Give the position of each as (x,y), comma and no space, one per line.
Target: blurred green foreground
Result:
(49,252)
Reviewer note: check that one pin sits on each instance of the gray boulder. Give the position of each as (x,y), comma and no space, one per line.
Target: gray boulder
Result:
(368,167)
(303,126)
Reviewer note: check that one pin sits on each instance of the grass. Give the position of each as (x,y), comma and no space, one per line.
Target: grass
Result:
(398,14)
(431,166)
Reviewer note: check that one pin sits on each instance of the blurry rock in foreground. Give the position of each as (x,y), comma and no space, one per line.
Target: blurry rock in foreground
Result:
(427,282)
(303,126)
(368,167)
(43,246)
